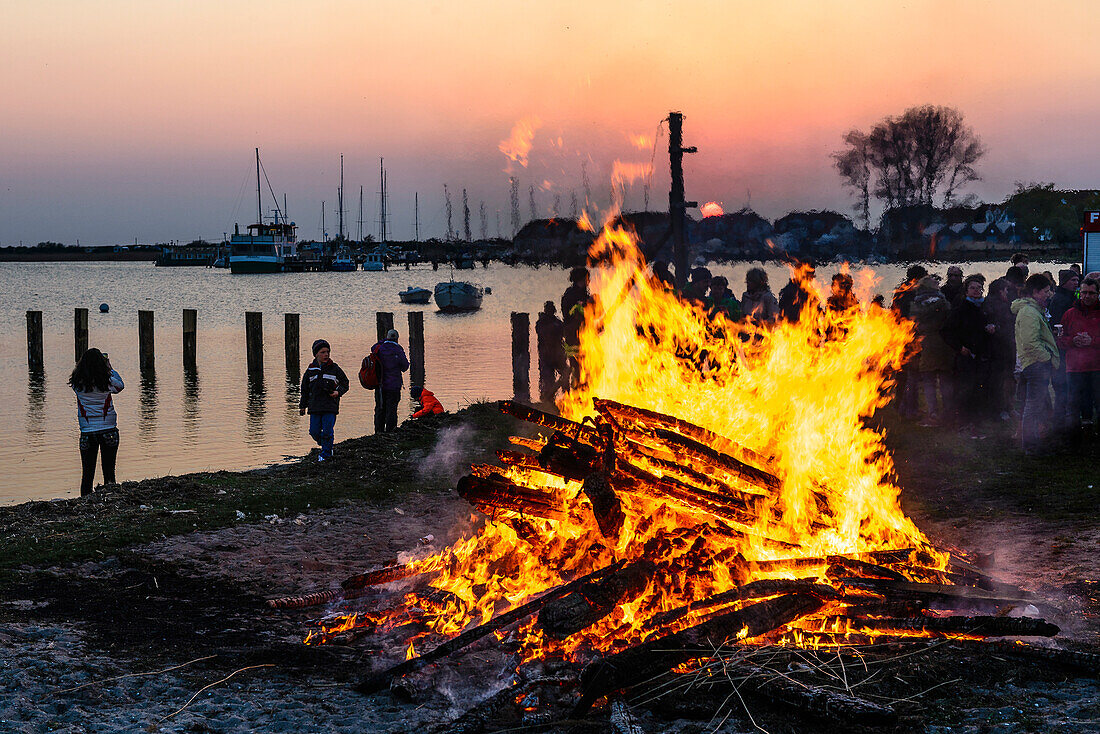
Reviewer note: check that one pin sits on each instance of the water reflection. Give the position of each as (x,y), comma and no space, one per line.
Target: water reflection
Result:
(291,421)
(36,406)
(255,410)
(192,390)
(147,407)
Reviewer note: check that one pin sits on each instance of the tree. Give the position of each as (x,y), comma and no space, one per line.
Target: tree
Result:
(911,159)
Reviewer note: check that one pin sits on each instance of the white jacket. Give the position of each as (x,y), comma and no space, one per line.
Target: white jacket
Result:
(95,410)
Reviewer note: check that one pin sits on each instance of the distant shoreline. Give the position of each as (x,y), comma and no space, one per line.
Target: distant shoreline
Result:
(40,257)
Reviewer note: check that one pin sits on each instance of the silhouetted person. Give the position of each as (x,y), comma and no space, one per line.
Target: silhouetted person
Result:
(758,303)
(323,384)
(394,362)
(550,332)
(721,300)
(573,303)
(698,287)
(969,332)
(937,361)
(841,294)
(1002,385)
(798,292)
(661,273)
(953,287)
(95,383)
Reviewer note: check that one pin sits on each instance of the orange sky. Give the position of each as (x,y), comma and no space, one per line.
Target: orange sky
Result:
(138,119)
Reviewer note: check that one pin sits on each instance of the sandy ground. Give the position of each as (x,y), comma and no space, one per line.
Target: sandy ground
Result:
(72,640)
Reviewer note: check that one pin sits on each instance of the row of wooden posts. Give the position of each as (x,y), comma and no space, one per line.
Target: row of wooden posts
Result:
(254,342)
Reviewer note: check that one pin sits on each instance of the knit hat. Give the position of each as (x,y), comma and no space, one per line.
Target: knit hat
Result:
(1065,276)
(319,345)
(416,391)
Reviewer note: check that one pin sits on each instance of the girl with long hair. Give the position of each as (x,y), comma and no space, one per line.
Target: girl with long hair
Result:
(94,383)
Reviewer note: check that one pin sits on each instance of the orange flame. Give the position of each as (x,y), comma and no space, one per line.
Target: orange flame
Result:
(518,145)
(796,396)
(640,140)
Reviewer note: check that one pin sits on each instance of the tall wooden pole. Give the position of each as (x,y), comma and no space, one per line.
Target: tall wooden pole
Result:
(254,341)
(290,344)
(190,338)
(677,206)
(34,341)
(80,332)
(384,321)
(521,356)
(416,348)
(146,360)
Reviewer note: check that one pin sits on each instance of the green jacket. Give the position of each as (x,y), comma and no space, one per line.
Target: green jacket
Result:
(1034,339)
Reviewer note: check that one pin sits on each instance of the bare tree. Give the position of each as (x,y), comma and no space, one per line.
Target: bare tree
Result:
(514,198)
(465,216)
(908,160)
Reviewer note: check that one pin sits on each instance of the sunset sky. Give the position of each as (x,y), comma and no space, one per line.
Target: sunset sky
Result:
(125,120)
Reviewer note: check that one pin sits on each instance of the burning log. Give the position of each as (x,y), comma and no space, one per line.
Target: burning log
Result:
(622,414)
(592,602)
(815,700)
(844,565)
(605,504)
(654,657)
(752,590)
(952,596)
(377,682)
(497,493)
(938,626)
(575,430)
(696,498)
(385,575)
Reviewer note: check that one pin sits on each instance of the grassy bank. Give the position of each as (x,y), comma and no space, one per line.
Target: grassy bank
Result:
(943,473)
(371,468)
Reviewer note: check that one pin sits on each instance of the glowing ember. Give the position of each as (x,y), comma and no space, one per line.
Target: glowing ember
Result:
(712,209)
(766,427)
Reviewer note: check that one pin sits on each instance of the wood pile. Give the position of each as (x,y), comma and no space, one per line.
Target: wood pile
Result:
(883,599)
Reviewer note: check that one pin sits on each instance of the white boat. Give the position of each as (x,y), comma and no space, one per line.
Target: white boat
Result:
(266,247)
(456,296)
(415,295)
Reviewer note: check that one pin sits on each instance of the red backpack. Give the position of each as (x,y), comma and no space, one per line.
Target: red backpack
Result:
(370,373)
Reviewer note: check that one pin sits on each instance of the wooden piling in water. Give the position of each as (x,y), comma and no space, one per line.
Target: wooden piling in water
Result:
(385,323)
(146,360)
(34,341)
(521,355)
(291,333)
(254,341)
(190,338)
(416,348)
(80,332)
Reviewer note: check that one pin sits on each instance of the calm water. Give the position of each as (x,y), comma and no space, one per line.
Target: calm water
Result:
(173,422)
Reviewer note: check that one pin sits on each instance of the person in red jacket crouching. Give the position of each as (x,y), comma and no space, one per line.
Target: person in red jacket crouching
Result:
(1080,337)
(428,402)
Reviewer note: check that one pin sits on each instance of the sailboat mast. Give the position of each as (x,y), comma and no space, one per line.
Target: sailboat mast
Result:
(340,199)
(259,203)
(382,197)
(324,234)
(416,215)
(359,230)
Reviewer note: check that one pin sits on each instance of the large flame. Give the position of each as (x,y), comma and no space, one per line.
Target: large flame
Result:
(518,145)
(796,396)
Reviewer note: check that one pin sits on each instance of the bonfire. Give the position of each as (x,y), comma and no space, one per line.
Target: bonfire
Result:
(708,486)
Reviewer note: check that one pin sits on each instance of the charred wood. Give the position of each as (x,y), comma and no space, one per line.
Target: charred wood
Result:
(821,702)
(621,413)
(752,590)
(385,575)
(1085,662)
(975,626)
(497,493)
(595,600)
(950,597)
(605,504)
(623,720)
(863,568)
(693,497)
(377,682)
(554,422)
(654,657)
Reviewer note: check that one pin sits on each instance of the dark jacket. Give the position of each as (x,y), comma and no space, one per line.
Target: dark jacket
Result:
(573,303)
(965,327)
(318,382)
(551,338)
(793,299)
(1060,302)
(1003,342)
(394,362)
(953,290)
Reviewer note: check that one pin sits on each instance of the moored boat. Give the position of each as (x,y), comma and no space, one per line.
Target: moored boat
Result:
(343,262)
(456,296)
(375,261)
(267,246)
(415,295)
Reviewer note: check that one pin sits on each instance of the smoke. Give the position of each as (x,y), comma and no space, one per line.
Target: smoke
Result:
(449,459)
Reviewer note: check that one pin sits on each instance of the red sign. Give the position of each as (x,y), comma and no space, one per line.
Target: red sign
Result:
(1092,221)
